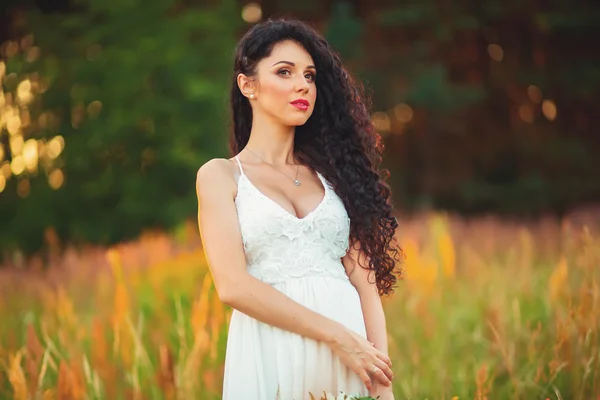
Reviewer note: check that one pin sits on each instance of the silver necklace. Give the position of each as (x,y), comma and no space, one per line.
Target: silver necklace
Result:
(296,181)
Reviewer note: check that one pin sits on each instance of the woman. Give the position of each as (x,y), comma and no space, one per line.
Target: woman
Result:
(297,227)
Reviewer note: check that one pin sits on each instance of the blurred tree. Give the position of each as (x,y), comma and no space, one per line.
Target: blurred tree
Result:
(344,31)
(502,99)
(138,91)
(485,106)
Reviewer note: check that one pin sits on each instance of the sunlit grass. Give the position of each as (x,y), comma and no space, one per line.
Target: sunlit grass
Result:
(488,310)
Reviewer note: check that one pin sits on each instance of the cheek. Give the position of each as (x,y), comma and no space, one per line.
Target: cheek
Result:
(275,88)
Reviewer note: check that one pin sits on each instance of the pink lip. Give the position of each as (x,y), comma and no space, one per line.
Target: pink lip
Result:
(300,104)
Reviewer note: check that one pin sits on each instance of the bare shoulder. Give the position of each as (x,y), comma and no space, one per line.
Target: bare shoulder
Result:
(215,176)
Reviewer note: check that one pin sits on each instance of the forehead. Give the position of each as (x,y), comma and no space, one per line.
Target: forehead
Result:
(290,51)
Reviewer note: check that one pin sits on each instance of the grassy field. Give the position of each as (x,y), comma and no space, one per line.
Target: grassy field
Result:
(489,309)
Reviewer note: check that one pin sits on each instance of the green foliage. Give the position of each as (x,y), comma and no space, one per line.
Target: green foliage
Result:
(344,32)
(433,90)
(141,93)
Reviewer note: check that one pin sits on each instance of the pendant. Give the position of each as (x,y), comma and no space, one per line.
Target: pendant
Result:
(297,182)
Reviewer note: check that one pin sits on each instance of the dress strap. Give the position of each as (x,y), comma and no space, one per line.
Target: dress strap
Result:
(239,165)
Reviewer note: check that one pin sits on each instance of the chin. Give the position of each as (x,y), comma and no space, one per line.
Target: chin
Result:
(297,121)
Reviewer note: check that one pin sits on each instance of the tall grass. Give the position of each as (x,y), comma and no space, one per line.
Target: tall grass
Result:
(489,310)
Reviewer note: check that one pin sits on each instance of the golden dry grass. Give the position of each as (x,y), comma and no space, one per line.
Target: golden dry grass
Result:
(489,309)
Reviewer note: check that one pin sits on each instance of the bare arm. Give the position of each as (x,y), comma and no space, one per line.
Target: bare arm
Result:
(222,242)
(364,281)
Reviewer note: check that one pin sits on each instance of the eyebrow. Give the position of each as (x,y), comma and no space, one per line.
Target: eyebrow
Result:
(292,64)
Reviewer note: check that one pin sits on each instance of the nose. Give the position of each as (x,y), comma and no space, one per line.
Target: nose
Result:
(302,85)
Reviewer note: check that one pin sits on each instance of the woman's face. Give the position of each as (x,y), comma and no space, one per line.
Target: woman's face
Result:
(284,87)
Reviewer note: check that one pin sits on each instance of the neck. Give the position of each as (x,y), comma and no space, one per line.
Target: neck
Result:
(273,142)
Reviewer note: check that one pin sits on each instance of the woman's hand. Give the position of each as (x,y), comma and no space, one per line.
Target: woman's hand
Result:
(358,354)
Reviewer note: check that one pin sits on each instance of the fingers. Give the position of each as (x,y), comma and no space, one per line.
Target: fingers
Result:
(382,378)
(385,369)
(366,379)
(360,355)
(383,373)
(384,358)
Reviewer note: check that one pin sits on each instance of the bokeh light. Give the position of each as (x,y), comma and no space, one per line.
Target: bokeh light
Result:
(55,147)
(5,170)
(382,122)
(403,113)
(56,179)
(13,124)
(24,95)
(252,13)
(526,113)
(10,48)
(495,51)
(25,118)
(22,155)
(32,54)
(16,144)
(30,155)
(44,120)
(17,165)
(549,109)
(94,108)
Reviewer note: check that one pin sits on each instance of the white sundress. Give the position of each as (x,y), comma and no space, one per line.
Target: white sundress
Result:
(300,257)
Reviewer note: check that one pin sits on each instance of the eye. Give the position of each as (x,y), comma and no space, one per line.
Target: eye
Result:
(310,76)
(281,71)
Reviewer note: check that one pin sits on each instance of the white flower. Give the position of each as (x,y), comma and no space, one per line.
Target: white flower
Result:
(341,396)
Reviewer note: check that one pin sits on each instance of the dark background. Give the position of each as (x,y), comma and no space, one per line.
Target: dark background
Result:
(487,107)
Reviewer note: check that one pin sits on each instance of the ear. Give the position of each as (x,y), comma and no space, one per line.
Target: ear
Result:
(246,85)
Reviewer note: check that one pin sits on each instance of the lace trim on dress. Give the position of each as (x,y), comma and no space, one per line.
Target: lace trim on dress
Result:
(280,246)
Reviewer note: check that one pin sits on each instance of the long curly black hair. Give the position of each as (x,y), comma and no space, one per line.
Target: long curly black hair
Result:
(339,140)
